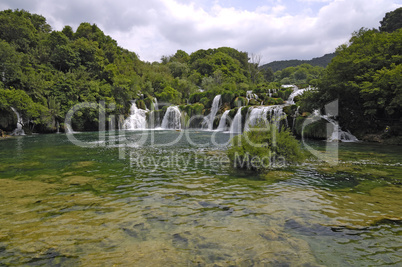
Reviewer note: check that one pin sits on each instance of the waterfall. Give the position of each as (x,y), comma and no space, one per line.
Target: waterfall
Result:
(18,130)
(274,114)
(222,122)
(294,117)
(67,128)
(209,120)
(295,93)
(236,123)
(250,95)
(172,118)
(154,120)
(136,120)
(156,105)
(338,134)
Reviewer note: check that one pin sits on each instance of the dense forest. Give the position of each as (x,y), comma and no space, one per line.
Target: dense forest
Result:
(282,64)
(45,72)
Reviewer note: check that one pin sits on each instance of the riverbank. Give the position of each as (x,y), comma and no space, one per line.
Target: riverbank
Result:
(379,138)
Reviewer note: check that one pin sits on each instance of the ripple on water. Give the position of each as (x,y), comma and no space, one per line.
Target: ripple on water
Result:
(63,205)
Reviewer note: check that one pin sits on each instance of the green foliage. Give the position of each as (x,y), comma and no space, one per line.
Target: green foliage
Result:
(58,69)
(303,73)
(284,93)
(178,69)
(254,102)
(227,97)
(169,95)
(280,65)
(194,109)
(19,100)
(141,104)
(392,21)
(240,101)
(263,148)
(51,71)
(365,78)
(315,130)
(206,102)
(68,31)
(196,97)
(16,28)
(273,101)
(231,64)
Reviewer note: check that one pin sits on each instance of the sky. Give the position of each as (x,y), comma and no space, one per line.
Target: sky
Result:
(271,29)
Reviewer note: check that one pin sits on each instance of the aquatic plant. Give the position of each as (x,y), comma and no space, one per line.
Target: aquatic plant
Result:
(264,147)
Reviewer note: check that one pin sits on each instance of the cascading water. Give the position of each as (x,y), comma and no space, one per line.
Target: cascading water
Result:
(295,93)
(156,105)
(18,130)
(294,117)
(338,135)
(236,123)
(272,114)
(172,118)
(250,95)
(222,122)
(209,120)
(154,120)
(137,119)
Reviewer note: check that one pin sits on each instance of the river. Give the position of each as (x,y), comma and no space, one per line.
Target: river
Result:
(170,198)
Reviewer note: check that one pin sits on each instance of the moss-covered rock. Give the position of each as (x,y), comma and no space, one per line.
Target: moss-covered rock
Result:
(141,104)
(253,102)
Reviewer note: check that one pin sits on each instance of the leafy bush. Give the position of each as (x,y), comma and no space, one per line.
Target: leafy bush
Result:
(227,97)
(193,110)
(196,97)
(315,130)
(285,93)
(141,104)
(253,102)
(264,147)
(206,102)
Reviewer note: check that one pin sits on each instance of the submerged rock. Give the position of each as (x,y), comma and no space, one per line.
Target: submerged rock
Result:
(179,240)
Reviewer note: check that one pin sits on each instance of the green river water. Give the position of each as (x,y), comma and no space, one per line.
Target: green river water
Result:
(145,203)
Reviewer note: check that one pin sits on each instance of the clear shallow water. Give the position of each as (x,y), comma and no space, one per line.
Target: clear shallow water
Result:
(109,204)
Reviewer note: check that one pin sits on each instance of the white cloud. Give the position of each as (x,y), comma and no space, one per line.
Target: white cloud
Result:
(275,29)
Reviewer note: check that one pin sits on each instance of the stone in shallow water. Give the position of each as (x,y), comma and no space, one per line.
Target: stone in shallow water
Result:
(179,240)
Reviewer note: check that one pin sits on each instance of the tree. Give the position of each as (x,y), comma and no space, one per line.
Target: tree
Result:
(364,77)
(392,21)
(180,56)
(169,95)
(68,31)
(253,66)
(56,38)
(64,58)
(10,65)
(268,74)
(18,30)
